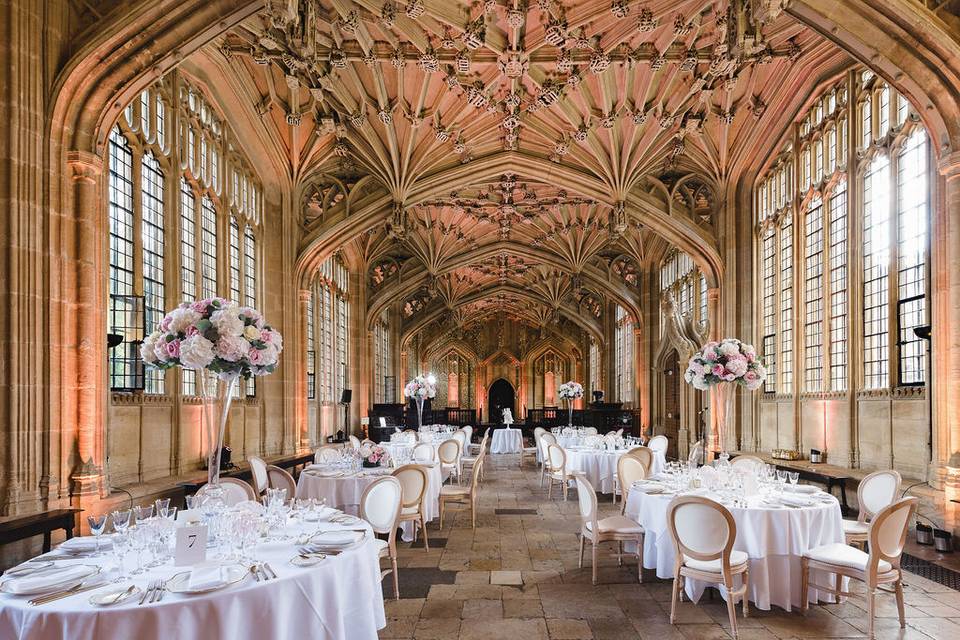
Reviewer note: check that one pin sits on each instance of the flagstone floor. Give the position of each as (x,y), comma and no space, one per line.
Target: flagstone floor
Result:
(516,577)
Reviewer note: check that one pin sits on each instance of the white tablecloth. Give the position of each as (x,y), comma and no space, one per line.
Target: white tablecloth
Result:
(506,440)
(345,492)
(599,466)
(338,599)
(775,539)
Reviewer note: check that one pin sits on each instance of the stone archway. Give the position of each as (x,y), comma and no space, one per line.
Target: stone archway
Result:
(500,396)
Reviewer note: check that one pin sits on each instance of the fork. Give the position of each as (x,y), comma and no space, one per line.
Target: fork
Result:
(148,592)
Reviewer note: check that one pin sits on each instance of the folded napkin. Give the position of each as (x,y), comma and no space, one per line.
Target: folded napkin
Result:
(85,543)
(801,488)
(796,501)
(35,583)
(326,473)
(205,576)
(336,538)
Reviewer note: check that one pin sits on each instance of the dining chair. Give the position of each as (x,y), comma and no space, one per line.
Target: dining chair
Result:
(468,430)
(747,460)
(235,491)
(644,455)
(258,472)
(658,444)
(546,439)
(530,452)
(279,478)
(424,453)
(617,529)
(558,470)
(463,495)
(380,506)
(703,533)
(327,453)
(449,454)
(414,480)
(467,462)
(354,441)
(590,431)
(629,470)
(696,453)
(887,536)
(876,491)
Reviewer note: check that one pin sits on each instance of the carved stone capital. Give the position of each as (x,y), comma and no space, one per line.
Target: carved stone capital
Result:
(87,479)
(84,166)
(305,295)
(949,165)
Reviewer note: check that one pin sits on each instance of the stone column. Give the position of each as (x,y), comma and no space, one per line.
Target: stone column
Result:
(641,380)
(303,412)
(90,347)
(945,299)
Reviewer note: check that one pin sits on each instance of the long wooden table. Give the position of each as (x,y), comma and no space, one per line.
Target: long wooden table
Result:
(46,522)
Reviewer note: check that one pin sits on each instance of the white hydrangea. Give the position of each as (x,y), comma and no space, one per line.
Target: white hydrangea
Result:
(196,352)
(148,346)
(182,318)
(227,321)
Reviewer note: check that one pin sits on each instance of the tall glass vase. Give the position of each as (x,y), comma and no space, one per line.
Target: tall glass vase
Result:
(216,396)
(419,402)
(724,395)
(570,413)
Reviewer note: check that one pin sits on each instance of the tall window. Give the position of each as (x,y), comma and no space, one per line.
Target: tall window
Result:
(595,377)
(311,353)
(382,360)
(681,278)
(889,154)
(623,354)
(145,179)
(768,258)
(332,321)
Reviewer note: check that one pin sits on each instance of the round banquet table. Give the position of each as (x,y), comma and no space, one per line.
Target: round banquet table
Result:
(344,491)
(338,599)
(506,440)
(599,466)
(774,538)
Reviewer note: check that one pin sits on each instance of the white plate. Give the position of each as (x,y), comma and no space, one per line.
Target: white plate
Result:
(115,595)
(27,568)
(180,583)
(312,560)
(54,586)
(336,538)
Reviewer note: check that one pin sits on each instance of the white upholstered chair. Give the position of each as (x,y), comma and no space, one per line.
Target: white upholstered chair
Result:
(617,529)
(557,471)
(703,533)
(380,506)
(658,443)
(887,536)
(279,478)
(546,439)
(413,478)
(354,441)
(876,491)
(629,470)
(467,462)
(258,471)
(644,455)
(449,454)
(235,491)
(424,453)
(463,495)
(747,460)
(326,454)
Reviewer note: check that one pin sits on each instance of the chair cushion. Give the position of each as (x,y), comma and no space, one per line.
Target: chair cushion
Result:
(454,490)
(617,524)
(383,547)
(406,511)
(843,555)
(737,559)
(468,460)
(856,527)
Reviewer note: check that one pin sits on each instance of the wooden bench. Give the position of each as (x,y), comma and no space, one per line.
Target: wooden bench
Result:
(830,475)
(292,463)
(19,527)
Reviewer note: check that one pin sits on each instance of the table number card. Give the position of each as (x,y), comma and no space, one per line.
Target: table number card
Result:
(191,545)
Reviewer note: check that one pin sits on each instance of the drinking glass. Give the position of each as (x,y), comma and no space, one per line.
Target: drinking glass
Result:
(192,502)
(121,520)
(163,504)
(794,477)
(138,542)
(121,545)
(143,513)
(97,525)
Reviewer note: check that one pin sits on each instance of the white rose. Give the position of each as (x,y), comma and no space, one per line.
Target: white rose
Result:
(196,352)
(146,349)
(251,333)
(232,348)
(227,322)
(729,349)
(182,318)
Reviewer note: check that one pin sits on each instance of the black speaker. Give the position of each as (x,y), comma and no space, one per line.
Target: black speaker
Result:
(345,396)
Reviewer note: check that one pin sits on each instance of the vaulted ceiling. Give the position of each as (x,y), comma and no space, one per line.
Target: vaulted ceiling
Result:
(659,99)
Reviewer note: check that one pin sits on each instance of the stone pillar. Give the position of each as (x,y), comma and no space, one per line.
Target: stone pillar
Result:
(303,412)
(89,348)
(945,299)
(641,379)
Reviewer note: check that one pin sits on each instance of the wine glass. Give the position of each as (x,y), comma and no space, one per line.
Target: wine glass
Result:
(163,505)
(97,525)
(794,477)
(138,542)
(121,520)
(121,545)
(143,513)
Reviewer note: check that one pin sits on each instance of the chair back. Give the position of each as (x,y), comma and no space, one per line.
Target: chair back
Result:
(354,441)
(745,461)
(644,455)
(258,469)
(701,529)
(460,436)
(236,491)
(413,480)
(546,439)
(696,453)
(448,451)
(876,491)
(539,431)
(587,500)
(629,470)
(888,533)
(281,479)
(325,454)
(424,452)
(590,431)
(468,430)
(475,474)
(557,457)
(380,504)
(658,443)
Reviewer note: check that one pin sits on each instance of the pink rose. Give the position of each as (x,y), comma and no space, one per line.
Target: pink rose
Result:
(752,380)
(737,365)
(167,350)
(165,323)
(751,356)
(200,306)
(718,370)
(709,354)
(729,377)
(191,330)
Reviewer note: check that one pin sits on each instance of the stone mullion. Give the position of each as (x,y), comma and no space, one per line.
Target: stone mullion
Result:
(893,277)
(854,271)
(303,409)
(799,309)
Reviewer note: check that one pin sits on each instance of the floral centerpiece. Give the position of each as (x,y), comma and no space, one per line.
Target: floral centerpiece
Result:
(373,454)
(721,367)
(220,337)
(570,391)
(420,388)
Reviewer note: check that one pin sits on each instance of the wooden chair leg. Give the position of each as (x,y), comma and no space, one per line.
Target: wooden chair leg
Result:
(442,504)
(423,527)
(396,578)
(674,593)
(620,553)
(549,488)
(871,611)
(804,586)
(473,513)
(566,487)
(582,538)
(731,609)
(745,578)
(640,559)
(899,592)
(594,561)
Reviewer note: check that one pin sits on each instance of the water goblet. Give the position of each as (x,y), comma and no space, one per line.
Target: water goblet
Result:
(121,520)
(138,542)
(192,502)
(163,505)
(97,525)
(794,477)
(121,545)
(142,513)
